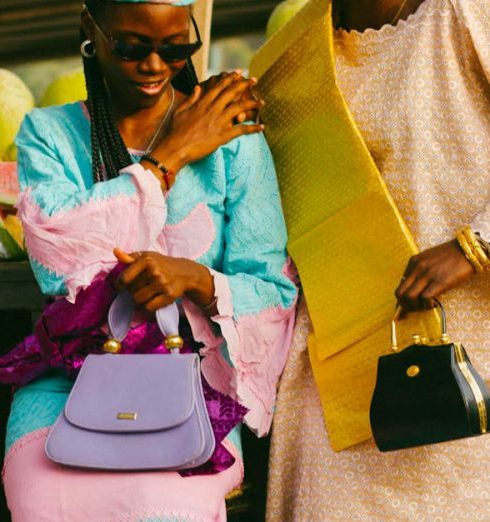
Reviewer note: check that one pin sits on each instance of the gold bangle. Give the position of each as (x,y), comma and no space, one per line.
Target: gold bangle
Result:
(477,247)
(468,251)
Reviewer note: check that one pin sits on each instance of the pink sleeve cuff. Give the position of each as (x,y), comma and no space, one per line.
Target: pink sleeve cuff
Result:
(257,344)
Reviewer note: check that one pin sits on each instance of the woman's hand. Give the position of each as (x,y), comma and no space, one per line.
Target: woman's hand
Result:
(250,115)
(155,280)
(430,274)
(206,120)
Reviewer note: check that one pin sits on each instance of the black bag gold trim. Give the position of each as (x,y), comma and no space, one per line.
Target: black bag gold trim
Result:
(426,394)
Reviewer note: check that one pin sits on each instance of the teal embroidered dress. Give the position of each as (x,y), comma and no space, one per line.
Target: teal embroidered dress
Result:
(224,212)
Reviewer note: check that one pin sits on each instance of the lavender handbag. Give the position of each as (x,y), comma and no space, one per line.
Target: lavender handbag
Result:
(138,411)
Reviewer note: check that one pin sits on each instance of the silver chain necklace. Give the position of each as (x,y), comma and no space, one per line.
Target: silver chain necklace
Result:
(162,123)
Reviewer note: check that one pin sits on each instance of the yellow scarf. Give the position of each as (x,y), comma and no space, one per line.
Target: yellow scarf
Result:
(346,236)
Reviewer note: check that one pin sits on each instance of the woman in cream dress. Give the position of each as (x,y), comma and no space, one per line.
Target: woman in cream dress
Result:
(416,77)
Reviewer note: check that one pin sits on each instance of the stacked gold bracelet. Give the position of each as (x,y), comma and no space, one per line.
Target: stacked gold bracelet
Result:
(474,249)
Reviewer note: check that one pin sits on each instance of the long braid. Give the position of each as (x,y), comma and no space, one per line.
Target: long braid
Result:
(109,153)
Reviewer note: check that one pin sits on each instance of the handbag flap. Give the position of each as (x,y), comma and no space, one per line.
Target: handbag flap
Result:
(133,393)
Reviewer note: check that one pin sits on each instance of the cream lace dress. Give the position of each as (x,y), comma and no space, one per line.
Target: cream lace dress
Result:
(420,93)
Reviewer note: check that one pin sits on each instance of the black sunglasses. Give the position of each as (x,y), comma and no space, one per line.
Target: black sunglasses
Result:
(169,53)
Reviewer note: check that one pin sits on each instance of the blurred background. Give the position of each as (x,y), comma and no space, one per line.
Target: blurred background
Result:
(39,38)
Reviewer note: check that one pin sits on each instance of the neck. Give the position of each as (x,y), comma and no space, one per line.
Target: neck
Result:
(364,14)
(138,126)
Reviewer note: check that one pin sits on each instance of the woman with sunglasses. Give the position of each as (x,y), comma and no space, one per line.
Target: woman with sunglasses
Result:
(165,177)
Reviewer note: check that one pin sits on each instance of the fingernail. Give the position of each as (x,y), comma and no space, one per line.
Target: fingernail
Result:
(262,126)
(253,80)
(238,71)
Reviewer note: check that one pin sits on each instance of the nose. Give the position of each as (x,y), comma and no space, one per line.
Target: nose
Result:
(153,65)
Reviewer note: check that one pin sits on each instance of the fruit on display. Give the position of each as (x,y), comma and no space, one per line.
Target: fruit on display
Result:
(9,185)
(282,14)
(11,238)
(11,233)
(11,153)
(67,88)
(16,101)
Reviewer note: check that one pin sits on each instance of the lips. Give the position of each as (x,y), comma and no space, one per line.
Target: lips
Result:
(150,88)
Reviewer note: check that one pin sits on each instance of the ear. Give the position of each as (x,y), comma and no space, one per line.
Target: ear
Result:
(87,25)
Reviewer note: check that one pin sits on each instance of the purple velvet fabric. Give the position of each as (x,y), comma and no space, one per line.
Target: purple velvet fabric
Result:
(66,333)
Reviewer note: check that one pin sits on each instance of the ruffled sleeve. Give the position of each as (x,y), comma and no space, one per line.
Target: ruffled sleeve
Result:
(255,291)
(474,17)
(71,224)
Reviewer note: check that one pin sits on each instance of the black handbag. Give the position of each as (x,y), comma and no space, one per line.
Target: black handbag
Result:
(427,393)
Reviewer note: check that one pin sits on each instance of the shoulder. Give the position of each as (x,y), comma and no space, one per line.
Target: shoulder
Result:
(57,113)
(248,162)
(472,12)
(247,156)
(248,145)
(52,120)
(57,127)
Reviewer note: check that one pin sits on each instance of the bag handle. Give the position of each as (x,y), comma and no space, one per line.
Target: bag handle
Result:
(121,314)
(444,336)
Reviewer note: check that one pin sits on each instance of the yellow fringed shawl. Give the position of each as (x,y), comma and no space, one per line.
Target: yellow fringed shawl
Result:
(346,236)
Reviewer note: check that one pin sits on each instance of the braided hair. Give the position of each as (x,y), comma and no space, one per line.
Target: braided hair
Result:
(109,153)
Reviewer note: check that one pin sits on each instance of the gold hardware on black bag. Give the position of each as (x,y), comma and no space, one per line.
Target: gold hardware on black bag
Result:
(427,393)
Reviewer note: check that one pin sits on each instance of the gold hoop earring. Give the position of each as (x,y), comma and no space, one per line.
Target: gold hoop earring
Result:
(87,52)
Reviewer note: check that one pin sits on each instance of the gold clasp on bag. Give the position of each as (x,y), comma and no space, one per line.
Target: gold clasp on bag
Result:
(174,343)
(111,346)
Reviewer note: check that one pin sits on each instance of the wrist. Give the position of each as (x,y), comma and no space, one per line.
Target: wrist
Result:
(173,156)
(147,165)
(164,173)
(200,289)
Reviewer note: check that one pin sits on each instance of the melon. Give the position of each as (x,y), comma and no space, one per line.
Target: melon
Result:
(282,14)
(16,101)
(14,227)
(67,88)
(9,184)
(11,153)
(12,238)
